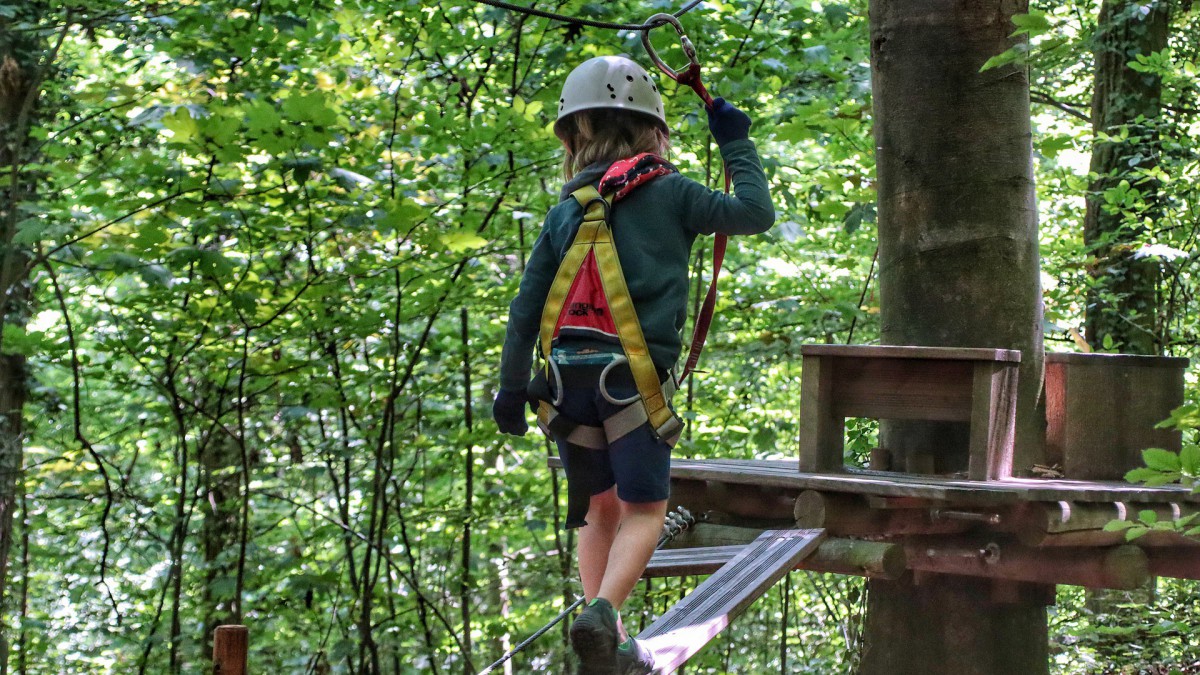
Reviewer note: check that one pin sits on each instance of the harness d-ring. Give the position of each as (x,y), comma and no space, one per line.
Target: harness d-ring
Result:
(558,398)
(689,49)
(619,359)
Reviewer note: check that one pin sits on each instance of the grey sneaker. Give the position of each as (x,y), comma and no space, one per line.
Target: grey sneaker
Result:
(594,638)
(634,659)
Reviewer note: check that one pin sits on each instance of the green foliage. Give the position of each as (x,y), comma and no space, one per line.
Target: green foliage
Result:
(274,246)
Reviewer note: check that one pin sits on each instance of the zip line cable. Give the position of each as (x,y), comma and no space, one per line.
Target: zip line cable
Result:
(675,523)
(533,11)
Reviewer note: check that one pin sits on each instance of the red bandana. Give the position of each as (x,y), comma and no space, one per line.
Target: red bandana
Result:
(625,175)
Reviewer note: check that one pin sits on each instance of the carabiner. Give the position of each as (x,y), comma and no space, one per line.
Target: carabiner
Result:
(688,48)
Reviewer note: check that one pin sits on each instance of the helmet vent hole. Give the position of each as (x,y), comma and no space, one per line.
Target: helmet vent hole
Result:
(610,87)
(612,95)
(629,78)
(630,99)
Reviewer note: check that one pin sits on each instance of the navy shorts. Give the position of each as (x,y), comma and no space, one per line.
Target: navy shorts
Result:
(639,464)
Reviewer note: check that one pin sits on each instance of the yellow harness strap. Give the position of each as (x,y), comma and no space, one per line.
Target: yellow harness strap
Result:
(595,236)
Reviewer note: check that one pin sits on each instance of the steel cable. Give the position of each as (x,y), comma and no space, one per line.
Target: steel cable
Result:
(675,522)
(533,11)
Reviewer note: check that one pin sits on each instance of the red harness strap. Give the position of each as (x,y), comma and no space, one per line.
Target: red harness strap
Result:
(585,312)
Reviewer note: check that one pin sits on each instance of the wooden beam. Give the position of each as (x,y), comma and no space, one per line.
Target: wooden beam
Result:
(1123,567)
(1066,523)
(837,556)
(846,515)
(1179,563)
(741,501)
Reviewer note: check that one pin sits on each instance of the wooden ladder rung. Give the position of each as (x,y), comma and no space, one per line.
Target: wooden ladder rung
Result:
(714,604)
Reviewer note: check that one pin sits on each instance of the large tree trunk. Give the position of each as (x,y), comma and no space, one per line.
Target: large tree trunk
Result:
(20,54)
(958,267)
(1123,302)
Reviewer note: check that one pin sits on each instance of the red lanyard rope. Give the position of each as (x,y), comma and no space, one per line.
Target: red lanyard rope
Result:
(691,78)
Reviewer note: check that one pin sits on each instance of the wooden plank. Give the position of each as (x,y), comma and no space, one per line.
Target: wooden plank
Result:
(993,421)
(960,491)
(894,351)
(683,562)
(685,628)
(901,389)
(783,474)
(822,430)
(876,560)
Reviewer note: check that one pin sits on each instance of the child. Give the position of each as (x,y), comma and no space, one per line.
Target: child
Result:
(614,134)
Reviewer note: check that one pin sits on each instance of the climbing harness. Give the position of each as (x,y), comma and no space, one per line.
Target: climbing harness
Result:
(690,77)
(589,298)
(674,524)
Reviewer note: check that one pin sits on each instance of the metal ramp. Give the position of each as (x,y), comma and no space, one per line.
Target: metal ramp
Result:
(684,630)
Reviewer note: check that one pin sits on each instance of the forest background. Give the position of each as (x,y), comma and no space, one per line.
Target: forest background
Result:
(255,269)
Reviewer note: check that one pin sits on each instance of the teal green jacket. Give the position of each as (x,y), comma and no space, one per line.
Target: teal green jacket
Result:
(653,228)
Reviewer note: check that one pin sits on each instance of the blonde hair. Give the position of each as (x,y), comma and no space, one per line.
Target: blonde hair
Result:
(607,135)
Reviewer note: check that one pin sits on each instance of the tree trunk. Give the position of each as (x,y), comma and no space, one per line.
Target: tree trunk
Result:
(1123,302)
(20,54)
(958,267)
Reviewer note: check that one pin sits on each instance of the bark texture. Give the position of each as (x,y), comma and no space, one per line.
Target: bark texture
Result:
(959,267)
(958,242)
(1123,301)
(20,56)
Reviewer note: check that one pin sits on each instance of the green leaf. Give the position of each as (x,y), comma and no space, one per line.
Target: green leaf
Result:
(181,124)
(1141,475)
(1117,525)
(1163,460)
(1189,459)
(462,241)
(398,214)
(30,231)
(1148,517)
(1016,54)
(1033,23)
(18,340)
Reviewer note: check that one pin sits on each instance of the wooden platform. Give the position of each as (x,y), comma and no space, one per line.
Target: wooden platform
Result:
(684,630)
(783,474)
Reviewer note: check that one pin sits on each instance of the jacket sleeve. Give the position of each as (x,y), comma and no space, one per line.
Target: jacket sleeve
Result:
(525,312)
(747,210)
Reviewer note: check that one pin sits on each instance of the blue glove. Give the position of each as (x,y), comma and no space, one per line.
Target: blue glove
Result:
(509,412)
(726,122)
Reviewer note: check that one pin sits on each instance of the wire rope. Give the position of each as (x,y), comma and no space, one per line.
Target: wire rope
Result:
(674,523)
(533,11)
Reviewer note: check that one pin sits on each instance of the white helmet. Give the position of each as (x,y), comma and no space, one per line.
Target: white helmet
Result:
(610,82)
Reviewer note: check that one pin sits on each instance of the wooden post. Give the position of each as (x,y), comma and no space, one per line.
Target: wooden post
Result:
(823,431)
(230,644)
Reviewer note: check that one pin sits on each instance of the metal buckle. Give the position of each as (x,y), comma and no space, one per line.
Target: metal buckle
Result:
(689,49)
